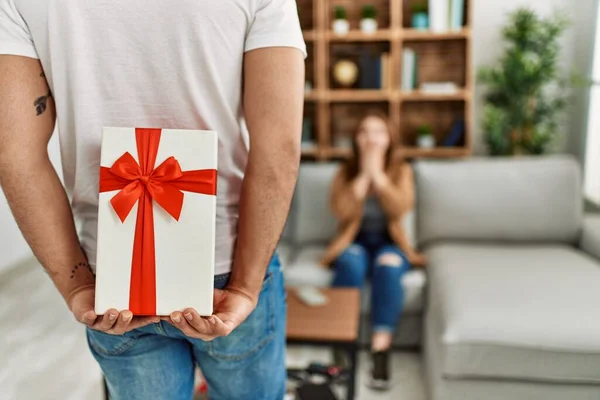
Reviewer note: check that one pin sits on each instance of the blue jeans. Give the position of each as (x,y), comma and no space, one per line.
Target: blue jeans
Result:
(364,258)
(157,361)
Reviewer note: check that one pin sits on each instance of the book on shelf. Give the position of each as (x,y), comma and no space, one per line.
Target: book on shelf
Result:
(438,15)
(445,15)
(370,71)
(457,12)
(438,88)
(409,69)
(456,133)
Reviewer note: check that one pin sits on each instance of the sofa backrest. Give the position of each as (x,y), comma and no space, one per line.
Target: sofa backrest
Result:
(516,199)
(310,218)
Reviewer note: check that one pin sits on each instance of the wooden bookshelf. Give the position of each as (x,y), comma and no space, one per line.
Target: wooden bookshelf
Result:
(442,56)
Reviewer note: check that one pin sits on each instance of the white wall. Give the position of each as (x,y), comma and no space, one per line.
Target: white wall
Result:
(13,248)
(488,19)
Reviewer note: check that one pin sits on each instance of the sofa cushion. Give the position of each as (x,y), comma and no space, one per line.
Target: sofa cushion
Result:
(311,218)
(517,200)
(590,235)
(303,270)
(515,312)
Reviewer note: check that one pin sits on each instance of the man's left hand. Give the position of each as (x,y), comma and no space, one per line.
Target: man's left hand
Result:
(231,308)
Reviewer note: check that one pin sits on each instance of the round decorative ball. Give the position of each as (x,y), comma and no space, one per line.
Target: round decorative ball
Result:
(345,72)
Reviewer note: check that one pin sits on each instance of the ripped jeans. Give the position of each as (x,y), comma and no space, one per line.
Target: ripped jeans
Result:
(374,255)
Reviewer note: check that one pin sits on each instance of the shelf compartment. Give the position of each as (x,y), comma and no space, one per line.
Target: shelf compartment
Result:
(368,58)
(441,61)
(440,116)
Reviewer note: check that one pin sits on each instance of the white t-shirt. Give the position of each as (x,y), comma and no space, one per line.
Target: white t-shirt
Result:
(147,63)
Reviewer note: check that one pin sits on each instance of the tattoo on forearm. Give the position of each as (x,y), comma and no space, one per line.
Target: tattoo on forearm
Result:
(40,102)
(82,266)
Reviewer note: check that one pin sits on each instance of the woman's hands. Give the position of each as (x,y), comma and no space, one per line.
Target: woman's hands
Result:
(372,157)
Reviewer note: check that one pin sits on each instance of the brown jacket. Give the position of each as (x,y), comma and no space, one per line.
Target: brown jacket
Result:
(397,198)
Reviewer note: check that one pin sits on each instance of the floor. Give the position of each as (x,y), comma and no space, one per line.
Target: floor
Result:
(48,356)
(407,377)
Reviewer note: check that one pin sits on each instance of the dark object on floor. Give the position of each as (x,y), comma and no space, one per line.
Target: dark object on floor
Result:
(380,374)
(315,392)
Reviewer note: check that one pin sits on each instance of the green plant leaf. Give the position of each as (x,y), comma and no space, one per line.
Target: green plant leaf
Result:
(369,11)
(339,12)
(525,91)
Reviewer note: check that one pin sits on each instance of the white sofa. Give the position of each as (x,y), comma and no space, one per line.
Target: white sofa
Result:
(513,281)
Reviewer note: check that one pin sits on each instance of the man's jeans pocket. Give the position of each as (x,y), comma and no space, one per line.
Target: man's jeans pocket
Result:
(110,345)
(255,332)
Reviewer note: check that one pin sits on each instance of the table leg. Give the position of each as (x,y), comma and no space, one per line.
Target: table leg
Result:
(352,353)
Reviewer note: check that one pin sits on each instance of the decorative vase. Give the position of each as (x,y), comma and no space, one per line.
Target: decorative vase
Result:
(420,21)
(368,25)
(426,141)
(341,26)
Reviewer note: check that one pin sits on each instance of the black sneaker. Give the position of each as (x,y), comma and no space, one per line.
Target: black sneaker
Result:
(380,374)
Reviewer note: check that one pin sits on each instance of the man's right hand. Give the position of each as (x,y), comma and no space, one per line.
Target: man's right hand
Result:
(113,322)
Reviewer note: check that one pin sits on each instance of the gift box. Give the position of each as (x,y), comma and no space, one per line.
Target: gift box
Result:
(156,221)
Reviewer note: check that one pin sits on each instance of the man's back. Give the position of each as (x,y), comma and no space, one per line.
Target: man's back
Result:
(147,63)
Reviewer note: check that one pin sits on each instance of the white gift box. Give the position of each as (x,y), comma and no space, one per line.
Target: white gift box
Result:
(184,249)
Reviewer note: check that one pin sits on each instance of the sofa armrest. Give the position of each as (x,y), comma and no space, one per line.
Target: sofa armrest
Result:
(590,235)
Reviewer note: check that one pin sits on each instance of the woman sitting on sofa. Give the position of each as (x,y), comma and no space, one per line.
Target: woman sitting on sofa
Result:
(370,196)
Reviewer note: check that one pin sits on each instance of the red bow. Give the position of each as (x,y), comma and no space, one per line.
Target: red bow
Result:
(142,182)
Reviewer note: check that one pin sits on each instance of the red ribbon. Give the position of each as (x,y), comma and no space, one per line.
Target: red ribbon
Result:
(142,182)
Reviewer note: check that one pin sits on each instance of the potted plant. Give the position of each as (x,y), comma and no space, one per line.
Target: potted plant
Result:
(341,26)
(525,91)
(425,138)
(420,16)
(368,22)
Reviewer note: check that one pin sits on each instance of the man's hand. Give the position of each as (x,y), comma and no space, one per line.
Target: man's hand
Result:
(113,322)
(231,309)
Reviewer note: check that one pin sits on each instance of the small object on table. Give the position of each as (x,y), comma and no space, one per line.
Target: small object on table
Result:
(311,296)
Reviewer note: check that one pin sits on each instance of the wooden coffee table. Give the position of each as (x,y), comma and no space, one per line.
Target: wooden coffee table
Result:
(334,324)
